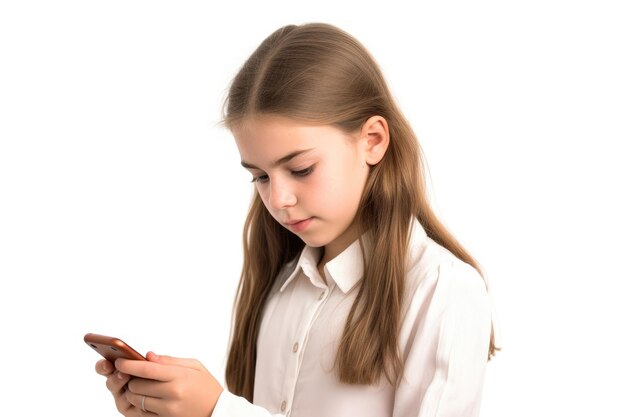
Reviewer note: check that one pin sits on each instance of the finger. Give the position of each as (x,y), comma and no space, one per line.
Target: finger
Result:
(172,361)
(147,369)
(116,382)
(141,402)
(123,406)
(104,367)
(149,387)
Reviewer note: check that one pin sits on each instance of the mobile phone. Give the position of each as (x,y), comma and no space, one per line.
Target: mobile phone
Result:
(112,348)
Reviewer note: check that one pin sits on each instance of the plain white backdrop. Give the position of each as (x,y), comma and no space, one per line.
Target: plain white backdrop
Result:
(122,200)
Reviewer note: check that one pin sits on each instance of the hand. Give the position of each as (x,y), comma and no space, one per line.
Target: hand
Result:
(116,383)
(172,387)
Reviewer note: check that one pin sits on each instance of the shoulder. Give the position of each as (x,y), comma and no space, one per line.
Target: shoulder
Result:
(446,301)
(437,275)
(447,305)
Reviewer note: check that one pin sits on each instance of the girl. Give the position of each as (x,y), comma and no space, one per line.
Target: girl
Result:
(354,300)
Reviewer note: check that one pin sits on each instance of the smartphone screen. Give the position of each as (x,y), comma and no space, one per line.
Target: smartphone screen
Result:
(111,348)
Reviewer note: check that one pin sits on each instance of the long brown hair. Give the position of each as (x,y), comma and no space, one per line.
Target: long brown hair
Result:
(319,73)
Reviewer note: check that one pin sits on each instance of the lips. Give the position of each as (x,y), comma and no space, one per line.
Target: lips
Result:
(298,226)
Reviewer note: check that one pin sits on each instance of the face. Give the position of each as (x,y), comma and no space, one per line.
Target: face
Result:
(310,177)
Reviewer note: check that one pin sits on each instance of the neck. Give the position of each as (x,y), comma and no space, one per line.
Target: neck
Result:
(334,248)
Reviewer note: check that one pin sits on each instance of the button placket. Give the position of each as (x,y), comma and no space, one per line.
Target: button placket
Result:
(300,343)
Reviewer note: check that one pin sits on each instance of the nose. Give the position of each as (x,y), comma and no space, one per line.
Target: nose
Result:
(281,195)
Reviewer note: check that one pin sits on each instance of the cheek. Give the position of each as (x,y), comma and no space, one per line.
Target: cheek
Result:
(340,190)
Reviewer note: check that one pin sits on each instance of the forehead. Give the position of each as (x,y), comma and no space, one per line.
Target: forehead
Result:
(260,128)
(272,137)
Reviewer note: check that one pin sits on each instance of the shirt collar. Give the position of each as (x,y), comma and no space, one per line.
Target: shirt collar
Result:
(346,269)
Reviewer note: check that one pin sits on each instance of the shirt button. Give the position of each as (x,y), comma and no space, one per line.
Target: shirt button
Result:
(322,294)
(295,347)
(283,406)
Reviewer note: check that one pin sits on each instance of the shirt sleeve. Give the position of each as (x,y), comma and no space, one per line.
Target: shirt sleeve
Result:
(446,346)
(231,405)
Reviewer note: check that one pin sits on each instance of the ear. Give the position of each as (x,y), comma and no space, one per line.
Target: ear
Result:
(375,136)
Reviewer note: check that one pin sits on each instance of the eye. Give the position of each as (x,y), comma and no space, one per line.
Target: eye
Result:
(303,172)
(261,178)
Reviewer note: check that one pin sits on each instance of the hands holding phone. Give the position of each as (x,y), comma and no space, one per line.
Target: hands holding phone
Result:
(161,385)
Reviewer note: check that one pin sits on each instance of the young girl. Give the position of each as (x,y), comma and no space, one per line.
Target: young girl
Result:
(354,299)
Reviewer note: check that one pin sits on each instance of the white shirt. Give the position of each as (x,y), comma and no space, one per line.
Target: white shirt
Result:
(444,340)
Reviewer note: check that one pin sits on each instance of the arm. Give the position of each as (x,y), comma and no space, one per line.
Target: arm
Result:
(447,351)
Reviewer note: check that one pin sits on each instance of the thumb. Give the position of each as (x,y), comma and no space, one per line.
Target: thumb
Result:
(173,361)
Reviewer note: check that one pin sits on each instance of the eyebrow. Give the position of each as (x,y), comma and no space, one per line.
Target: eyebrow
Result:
(280,161)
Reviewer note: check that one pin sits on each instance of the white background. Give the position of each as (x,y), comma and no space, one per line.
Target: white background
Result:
(122,200)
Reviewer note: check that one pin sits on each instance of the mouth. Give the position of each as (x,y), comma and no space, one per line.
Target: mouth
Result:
(298,225)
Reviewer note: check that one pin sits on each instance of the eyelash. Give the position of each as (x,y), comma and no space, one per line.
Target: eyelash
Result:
(260,178)
(301,173)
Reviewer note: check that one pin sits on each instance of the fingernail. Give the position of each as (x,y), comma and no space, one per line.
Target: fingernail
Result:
(119,375)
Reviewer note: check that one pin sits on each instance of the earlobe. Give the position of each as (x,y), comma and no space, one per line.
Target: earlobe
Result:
(375,132)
